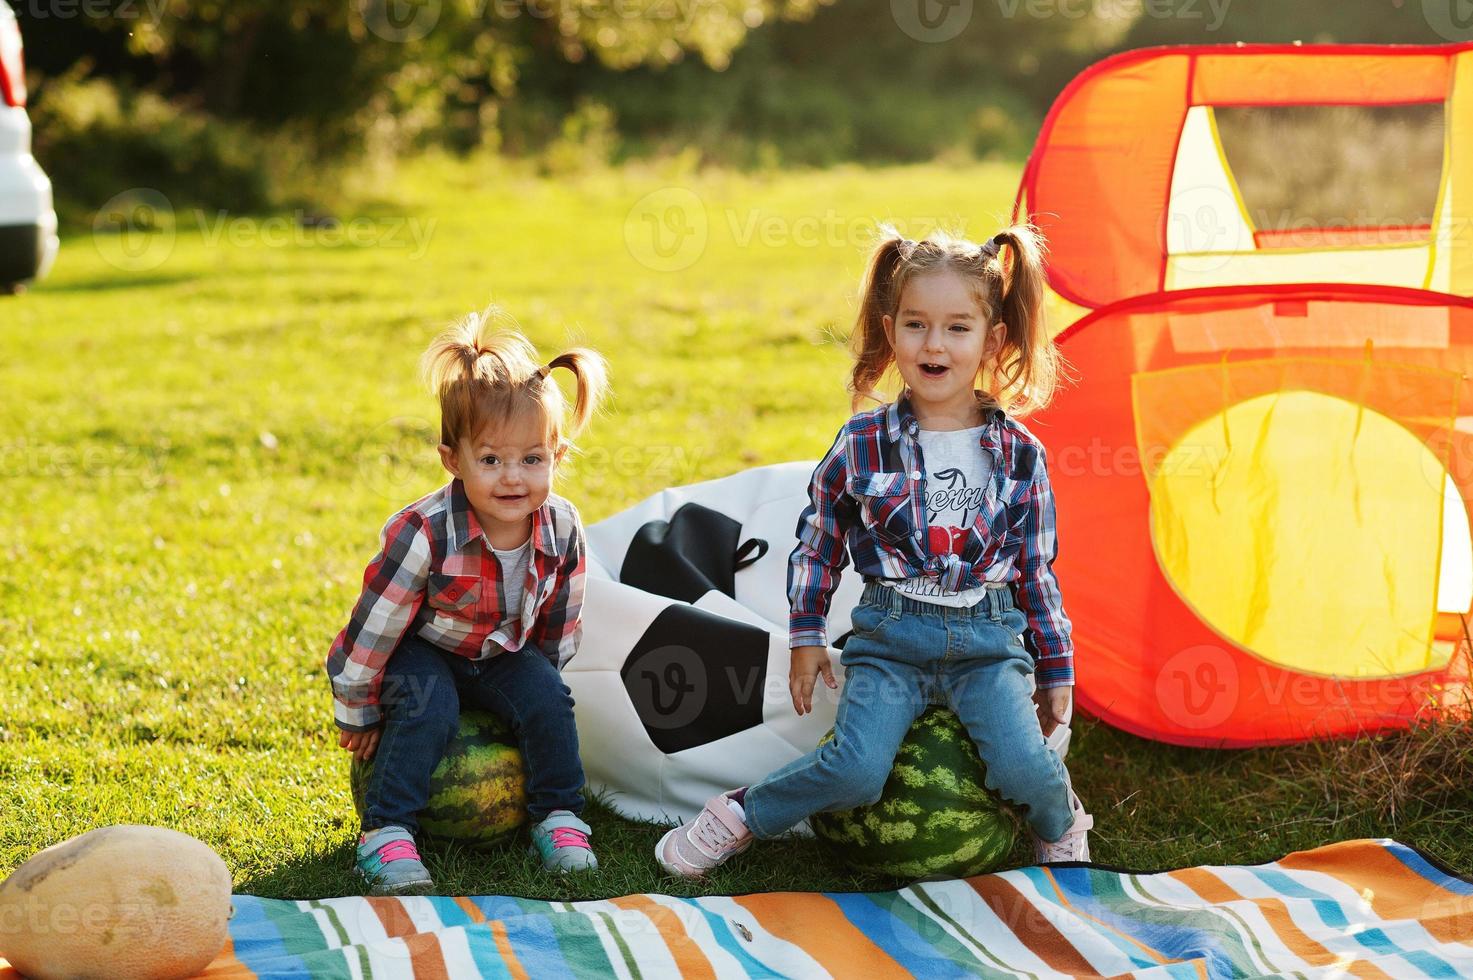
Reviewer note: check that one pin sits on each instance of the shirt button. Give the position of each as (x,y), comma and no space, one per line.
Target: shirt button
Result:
(915,474)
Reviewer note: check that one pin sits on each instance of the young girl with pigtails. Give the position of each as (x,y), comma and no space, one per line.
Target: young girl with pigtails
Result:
(474,599)
(941,499)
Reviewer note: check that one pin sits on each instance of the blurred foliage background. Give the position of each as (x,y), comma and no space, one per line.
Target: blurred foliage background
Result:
(261,104)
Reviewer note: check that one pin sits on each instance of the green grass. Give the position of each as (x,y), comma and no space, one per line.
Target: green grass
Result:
(197,456)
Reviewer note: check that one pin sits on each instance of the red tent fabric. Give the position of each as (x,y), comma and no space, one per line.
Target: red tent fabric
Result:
(1264,473)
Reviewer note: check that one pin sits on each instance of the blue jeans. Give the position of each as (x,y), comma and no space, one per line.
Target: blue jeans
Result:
(905,654)
(421,694)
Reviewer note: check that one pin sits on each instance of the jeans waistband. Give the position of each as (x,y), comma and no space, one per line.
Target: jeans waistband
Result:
(999,597)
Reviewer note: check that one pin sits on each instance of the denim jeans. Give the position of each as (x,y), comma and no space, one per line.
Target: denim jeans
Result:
(905,654)
(421,694)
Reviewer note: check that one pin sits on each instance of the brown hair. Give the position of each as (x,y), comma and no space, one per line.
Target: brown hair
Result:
(1027,367)
(483,370)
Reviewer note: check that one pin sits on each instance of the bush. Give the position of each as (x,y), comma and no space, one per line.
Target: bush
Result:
(96,138)
(587,142)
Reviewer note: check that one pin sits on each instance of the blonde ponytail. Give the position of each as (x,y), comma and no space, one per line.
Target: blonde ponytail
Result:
(483,371)
(878,298)
(1034,365)
(591,374)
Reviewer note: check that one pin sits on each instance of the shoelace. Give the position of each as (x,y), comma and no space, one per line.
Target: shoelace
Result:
(1066,848)
(569,837)
(711,834)
(399,850)
(1063,849)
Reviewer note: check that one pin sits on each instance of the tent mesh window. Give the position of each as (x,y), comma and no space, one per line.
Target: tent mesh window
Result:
(1336,175)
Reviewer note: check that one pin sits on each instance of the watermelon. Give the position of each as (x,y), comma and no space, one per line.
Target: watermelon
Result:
(935,819)
(478,792)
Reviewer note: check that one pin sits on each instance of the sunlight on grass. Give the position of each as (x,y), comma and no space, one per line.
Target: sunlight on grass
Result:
(198,455)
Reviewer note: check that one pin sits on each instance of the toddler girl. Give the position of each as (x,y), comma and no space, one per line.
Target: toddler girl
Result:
(474,599)
(942,499)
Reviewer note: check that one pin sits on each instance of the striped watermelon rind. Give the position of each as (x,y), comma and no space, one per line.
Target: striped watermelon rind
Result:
(478,792)
(935,818)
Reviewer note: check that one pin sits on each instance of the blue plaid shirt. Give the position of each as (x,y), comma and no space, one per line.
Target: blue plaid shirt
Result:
(868,494)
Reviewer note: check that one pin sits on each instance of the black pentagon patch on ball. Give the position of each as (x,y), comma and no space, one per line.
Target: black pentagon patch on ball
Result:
(695,677)
(697,551)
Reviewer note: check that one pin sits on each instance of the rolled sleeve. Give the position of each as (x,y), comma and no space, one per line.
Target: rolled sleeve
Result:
(1038,594)
(393,591)
(819,557)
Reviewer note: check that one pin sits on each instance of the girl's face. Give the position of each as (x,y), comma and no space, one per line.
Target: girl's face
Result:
(507,470)
(941,339)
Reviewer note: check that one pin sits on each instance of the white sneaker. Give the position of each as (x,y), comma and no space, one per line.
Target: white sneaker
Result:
(1074,845)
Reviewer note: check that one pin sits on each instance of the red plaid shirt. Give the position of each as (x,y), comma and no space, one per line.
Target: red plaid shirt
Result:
(436,577)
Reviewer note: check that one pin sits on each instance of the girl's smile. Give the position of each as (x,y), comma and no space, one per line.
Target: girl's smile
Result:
(507,476)
(940,339)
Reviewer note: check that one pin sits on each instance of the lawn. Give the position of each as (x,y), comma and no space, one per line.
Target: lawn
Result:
(204,428)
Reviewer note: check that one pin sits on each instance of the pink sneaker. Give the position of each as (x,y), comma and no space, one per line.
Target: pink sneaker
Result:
(1074,845)
(696,846)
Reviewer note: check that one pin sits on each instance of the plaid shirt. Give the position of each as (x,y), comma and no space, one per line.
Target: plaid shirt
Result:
(869,493)
(436,577)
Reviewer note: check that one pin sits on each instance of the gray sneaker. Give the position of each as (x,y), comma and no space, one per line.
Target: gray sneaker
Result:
(561,840)
(390,863)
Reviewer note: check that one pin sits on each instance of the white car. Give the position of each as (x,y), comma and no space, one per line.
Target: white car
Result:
(28,239)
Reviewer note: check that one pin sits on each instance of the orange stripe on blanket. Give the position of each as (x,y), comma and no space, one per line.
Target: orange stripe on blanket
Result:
(426,960)
(687,953)
(1213,889)
(1027,922)
(818,927)
(1393,890)
(508,955)
(391,915)
(471,909)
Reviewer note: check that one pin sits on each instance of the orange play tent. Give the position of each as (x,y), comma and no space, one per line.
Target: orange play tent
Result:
(1264,472)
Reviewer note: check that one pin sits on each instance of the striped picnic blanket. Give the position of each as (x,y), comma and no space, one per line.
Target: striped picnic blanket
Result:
(1364,908)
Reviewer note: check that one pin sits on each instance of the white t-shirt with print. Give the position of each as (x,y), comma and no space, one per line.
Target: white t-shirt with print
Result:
(957,474)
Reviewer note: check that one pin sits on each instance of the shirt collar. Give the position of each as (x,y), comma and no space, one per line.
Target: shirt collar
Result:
(900,418)
(465,528)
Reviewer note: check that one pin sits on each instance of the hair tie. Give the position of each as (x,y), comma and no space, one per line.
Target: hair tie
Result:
(993,246)
(543,372)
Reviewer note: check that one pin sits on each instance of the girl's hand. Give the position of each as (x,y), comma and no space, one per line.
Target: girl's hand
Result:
(362,744)
(806,665)
(1053,707)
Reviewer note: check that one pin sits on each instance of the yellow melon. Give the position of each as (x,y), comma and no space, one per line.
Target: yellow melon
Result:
(124,902)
